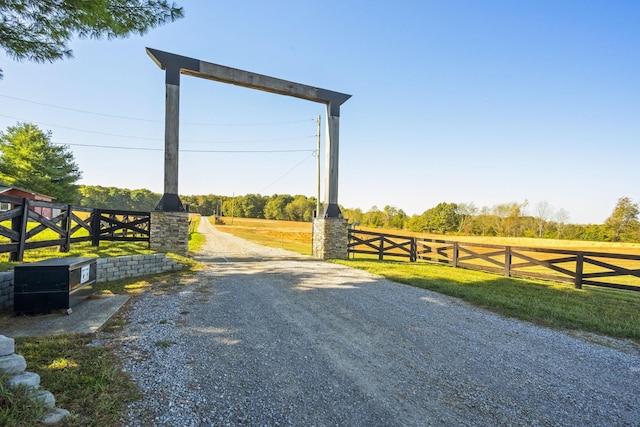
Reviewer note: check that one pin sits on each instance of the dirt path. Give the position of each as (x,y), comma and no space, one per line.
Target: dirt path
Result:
(267,337)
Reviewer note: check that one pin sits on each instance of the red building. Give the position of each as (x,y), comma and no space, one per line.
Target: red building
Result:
(8,190)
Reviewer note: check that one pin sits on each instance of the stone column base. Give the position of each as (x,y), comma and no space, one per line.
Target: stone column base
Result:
(330,238)
(170,232)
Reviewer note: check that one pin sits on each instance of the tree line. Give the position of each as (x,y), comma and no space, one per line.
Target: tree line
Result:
(505,220)
(29,160)
(277,206)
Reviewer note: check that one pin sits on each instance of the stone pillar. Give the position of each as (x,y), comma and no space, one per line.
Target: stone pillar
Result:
(170,232)
(330,238)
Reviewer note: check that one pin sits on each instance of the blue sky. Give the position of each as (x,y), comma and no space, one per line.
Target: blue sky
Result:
(482,102)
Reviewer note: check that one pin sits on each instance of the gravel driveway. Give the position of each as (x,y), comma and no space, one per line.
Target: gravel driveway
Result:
(266,337)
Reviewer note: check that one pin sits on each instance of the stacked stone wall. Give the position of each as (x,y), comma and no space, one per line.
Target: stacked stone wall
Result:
(108,269)
(6,289)
(123,267)
(330,238)
(170,232)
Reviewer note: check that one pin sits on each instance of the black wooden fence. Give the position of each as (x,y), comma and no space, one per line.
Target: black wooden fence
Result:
(621,271)
(37,224)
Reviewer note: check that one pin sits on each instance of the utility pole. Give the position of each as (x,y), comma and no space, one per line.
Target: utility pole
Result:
(318,170)
(233,204)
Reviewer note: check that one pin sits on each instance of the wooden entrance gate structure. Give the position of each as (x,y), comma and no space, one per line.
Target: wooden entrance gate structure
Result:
(175,65)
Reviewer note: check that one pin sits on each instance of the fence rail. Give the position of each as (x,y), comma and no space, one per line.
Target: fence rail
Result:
(620,271)
(38,224)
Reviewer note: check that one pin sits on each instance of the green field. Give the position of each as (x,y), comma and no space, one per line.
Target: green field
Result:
(290,235)
(298,235)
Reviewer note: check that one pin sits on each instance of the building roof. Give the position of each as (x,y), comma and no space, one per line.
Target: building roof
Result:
(5,187)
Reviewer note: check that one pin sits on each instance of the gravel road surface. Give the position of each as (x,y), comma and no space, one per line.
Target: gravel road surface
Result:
(265,337)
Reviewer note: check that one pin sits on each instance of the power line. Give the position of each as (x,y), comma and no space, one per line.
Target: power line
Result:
(150,120)
(83,130)
(162,139)
(80,111)
(255,141)
(246,151)
(182,150)
(288,172)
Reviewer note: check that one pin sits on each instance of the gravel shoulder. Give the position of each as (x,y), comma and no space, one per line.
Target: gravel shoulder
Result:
(267,337)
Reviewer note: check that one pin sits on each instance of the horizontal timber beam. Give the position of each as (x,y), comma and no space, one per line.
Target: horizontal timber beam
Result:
(177,64)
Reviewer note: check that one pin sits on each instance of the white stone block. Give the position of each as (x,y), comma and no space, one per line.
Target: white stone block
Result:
(55,416)
(7,346)
(27,379)
(46,397)
(12,364)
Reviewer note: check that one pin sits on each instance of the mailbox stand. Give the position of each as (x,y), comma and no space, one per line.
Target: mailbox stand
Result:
(53,284)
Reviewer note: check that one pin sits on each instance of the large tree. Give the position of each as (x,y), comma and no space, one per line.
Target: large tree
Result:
(466,212)
(543,213)
(508,219)
(623,223)
(276,206)
(40,30)
(29,160)
(440,219)
(301,208)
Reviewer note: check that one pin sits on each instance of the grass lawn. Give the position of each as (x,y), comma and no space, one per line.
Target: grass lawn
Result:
(86,380)
(560,306)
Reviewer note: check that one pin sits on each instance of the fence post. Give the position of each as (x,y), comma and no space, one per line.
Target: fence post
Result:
(113,219)
(313,235)
(19,225)
(95,227)
(149,228)
(125,220)
(455,254)
(579,268)
(507,261)
(413,256)
(381,248)
(66,225)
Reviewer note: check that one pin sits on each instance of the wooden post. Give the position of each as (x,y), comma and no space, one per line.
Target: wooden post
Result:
(172,133)
(579,269)
(507,261)
(455,254)
(125,221)
(113,219)
(95,227)
(318,202)
(413,256)
(381,248)
(331,208)
(19,225)
(66,225)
